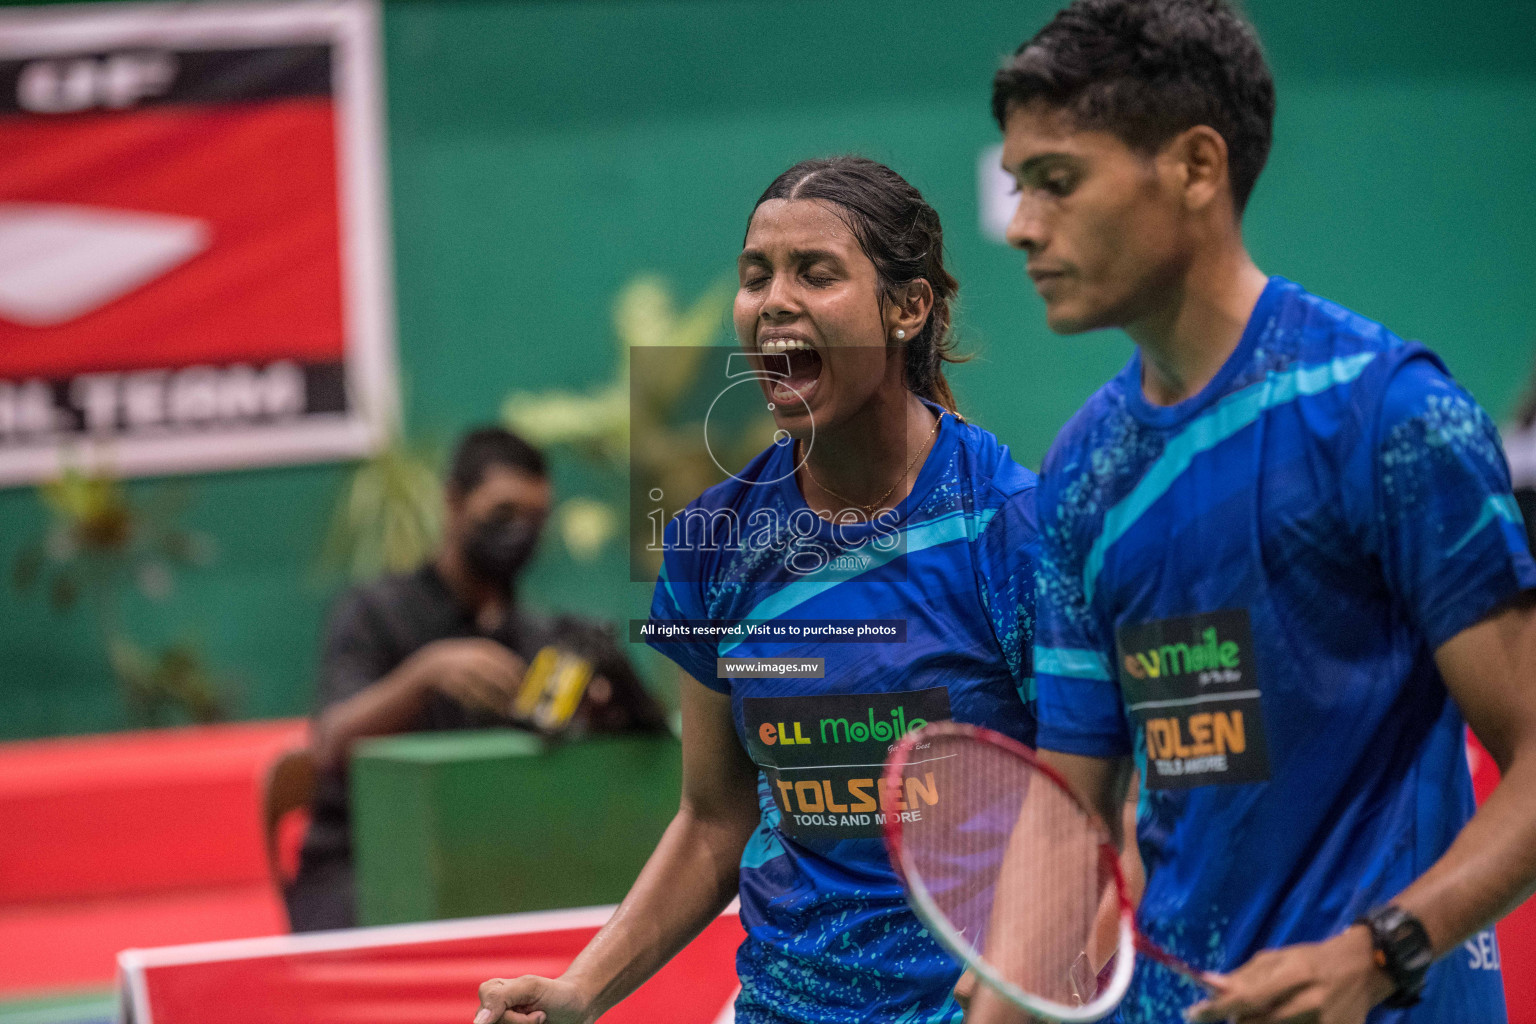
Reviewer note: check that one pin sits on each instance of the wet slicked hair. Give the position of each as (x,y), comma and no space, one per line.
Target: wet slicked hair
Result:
(1146,70)
(900,233)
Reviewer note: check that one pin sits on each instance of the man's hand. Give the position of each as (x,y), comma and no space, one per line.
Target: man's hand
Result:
(473,671)
(1332,982)
(531,1000)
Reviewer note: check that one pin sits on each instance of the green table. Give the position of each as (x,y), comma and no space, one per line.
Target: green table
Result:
(87,1007)
(471,823)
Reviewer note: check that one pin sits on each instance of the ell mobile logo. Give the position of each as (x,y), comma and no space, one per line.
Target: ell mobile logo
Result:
(841,730)
(1207,652)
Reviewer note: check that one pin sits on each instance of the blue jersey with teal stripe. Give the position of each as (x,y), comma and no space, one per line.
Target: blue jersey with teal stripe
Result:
(830,939)
(1245,591)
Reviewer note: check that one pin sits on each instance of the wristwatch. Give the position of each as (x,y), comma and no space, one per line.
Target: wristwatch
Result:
(1402,951)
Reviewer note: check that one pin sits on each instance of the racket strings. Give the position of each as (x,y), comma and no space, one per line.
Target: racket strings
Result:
(1013,863)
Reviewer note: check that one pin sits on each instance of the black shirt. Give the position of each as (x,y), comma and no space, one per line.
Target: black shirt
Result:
(375,627)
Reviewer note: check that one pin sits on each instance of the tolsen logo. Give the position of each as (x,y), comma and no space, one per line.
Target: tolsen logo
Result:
(822,755)
(870,795)
(1207,734)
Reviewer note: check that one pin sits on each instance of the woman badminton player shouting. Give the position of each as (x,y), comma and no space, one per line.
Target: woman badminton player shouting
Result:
(878,504)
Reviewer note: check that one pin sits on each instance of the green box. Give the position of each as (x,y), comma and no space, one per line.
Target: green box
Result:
(470,823)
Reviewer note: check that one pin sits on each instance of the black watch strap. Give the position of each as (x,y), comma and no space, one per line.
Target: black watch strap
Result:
(1403,951)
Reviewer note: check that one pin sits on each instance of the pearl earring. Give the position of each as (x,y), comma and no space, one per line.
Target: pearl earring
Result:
(900,334)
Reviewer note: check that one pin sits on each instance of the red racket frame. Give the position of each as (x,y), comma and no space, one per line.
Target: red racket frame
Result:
(1131,941)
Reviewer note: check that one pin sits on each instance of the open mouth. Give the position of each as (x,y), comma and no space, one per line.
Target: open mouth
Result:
(795,367)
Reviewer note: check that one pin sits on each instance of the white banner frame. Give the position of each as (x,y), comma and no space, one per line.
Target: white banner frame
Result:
(353,28)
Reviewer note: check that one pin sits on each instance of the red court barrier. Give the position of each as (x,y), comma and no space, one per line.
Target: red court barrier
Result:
(71,945)
(141,812)
(1517,932)
(135,839)
(410,974)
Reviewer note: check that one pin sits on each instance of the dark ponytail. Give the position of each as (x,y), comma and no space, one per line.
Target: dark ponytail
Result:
(901,235)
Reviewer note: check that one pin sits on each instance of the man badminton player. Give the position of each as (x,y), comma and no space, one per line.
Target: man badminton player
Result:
(1280,564)
(877,505)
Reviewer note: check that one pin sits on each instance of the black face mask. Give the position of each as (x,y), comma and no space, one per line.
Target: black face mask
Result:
(495,549)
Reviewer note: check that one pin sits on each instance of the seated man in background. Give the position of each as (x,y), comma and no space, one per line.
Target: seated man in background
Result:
(447,647)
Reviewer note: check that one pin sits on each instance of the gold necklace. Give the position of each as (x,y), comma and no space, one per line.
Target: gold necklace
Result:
(869,510)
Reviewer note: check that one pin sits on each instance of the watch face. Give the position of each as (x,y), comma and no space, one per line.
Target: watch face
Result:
(1402,949)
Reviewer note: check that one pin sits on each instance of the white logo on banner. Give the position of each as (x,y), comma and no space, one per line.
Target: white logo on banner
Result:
(80,83)
(59,262)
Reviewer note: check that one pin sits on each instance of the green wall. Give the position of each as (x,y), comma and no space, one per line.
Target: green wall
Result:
(544,153)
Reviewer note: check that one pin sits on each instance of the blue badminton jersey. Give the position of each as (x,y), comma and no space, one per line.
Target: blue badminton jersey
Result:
(830,939)
(1245,591)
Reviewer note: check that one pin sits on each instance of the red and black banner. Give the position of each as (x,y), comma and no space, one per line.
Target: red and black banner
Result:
(191,265)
